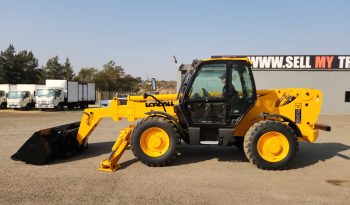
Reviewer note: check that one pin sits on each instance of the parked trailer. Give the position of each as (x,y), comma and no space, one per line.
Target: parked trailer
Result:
(23,96)
(60,93)
(87,94)
(4,89)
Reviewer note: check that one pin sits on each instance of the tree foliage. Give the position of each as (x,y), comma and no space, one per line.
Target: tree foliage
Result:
(19,68)
(86,75)
(113,77)
(22,67)
(55,70)
(68,72)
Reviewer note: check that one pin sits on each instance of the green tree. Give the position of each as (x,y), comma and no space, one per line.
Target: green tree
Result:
(86,75)
(68,73)
(28,67)
(7,64)
(109,77)
(113,78)
(18,68)
(130,84)
(2,76)
(53,69)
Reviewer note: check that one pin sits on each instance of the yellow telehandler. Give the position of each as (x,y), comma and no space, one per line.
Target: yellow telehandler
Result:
(217,104)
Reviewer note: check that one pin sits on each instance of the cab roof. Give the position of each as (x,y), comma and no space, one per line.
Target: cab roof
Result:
(227,58)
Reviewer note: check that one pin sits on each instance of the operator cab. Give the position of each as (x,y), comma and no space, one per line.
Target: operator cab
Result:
(215,95)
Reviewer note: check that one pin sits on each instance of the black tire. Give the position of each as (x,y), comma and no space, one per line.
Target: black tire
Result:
(3,106)
(60,107)
(70,106)
(174,141)
(28,106)
(239,142)
(83,106)
(257,131)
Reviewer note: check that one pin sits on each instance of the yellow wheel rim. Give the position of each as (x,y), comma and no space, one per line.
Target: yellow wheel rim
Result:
(154,142)
(273,146)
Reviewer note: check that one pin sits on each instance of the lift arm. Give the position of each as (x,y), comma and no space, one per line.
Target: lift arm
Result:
(136,108)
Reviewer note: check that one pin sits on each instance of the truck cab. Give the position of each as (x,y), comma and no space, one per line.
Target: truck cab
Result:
(20,99)
(2,99)
(49,98)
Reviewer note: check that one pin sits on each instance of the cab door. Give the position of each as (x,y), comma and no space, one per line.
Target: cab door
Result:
(206,102)
(219,94)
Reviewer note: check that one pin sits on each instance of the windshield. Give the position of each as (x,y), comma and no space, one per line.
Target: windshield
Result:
(15,95)
(209,82)
(45,93)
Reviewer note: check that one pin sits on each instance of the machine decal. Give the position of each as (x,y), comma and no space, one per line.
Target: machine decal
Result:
(157,104)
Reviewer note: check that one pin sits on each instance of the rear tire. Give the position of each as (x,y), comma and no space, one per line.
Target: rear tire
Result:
(155,141)
(270,145)
(28,106)
(82,106)
(59,107)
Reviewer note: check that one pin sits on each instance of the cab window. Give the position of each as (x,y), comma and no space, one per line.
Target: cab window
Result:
(208,82)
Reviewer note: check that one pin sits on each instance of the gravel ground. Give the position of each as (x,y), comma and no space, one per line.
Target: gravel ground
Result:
(201,175)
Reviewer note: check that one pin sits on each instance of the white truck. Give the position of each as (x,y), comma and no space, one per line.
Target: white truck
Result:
(59,93)
(4,89)
(23,97)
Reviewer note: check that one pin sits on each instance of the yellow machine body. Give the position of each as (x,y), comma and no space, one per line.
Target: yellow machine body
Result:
(307,102)
(292,109)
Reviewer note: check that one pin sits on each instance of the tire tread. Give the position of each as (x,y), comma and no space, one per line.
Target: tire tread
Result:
(253,132)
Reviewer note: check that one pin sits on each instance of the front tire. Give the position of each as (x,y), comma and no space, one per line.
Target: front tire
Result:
(3,106)
(270,145)
(239,142)
(59,107)
(155,141)
(27,107)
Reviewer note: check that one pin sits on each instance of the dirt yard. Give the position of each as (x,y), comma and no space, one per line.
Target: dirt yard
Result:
(201,175)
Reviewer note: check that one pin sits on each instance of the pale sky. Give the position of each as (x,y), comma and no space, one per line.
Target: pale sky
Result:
(142,36)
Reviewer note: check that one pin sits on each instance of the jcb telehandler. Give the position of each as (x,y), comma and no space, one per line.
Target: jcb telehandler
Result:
(217,103)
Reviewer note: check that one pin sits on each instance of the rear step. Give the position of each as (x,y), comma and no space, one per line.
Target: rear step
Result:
(51,143)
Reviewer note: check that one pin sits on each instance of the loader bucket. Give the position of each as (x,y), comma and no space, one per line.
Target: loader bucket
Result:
(49,144)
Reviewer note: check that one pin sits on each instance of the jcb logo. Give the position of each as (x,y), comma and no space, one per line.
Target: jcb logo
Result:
(157,104)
